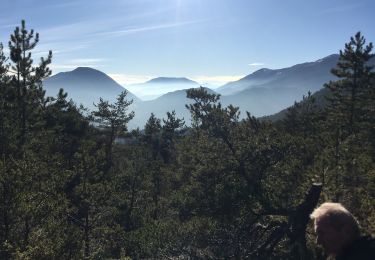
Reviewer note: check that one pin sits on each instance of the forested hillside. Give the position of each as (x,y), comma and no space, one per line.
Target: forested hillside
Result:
(80,186)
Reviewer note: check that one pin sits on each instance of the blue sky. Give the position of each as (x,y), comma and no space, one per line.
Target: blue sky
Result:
(211,41)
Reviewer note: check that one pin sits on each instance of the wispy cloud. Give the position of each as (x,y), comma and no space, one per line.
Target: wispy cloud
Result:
(63,4)
(58,48)
(89,33)
(87,61)
(56,68)
(125,79)
(131,82)
(148,28)
(256,64)
(6,26)
(113,26)
(74,63)
(217,80)
(72,31)
(342,8)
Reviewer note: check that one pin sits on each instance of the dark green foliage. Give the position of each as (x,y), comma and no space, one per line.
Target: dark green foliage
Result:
(26,81)
(170,129)
(113,119)
(74,186)
(351,97)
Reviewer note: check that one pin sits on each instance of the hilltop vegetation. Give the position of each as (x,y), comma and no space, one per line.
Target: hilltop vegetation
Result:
(78,186)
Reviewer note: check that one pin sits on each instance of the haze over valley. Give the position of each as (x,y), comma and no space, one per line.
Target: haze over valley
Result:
(262,93)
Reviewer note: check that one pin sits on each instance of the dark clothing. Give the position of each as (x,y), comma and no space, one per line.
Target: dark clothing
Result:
(361,249)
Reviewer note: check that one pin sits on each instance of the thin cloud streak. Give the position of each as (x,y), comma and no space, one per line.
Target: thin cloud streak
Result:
(87,61)
(98,27)
(342,8)
(256,64)
(57,68)
(64,4)
(149,28)
(74,63)
(217,80)
(69,32)
(6,26)
(125,79)
(60,48)
(88,33)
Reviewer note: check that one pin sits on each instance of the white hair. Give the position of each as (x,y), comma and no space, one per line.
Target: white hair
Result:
(337,216)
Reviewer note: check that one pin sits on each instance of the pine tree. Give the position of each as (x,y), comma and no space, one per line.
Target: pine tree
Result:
(350,92)
(152,134)
(152,140)
(113,120)
(22,173)
(169,131)
(302,118)
(204,103)
(27,78)
(4,103)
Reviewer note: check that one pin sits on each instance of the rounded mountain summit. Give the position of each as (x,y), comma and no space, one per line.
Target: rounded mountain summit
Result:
(85,86)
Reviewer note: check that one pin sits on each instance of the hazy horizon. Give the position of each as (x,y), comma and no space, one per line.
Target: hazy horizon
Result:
(147,92)
(211,42)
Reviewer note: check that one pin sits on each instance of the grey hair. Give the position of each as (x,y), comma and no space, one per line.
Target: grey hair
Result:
(337,215)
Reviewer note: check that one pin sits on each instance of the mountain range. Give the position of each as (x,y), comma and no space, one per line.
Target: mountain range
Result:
(264,92)
(151,89)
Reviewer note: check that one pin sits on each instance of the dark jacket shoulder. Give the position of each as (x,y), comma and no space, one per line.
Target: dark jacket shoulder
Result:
(361,249)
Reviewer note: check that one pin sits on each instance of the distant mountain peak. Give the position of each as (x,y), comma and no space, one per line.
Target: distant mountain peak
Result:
(171,80)
(84,69)
(85,85)
(87,70)
(263,70)
(85,74)
(329,57)
(304,76)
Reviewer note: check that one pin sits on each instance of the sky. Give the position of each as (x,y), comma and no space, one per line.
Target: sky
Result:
(209,41)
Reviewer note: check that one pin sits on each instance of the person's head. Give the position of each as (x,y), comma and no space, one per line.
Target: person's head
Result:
(335,227)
